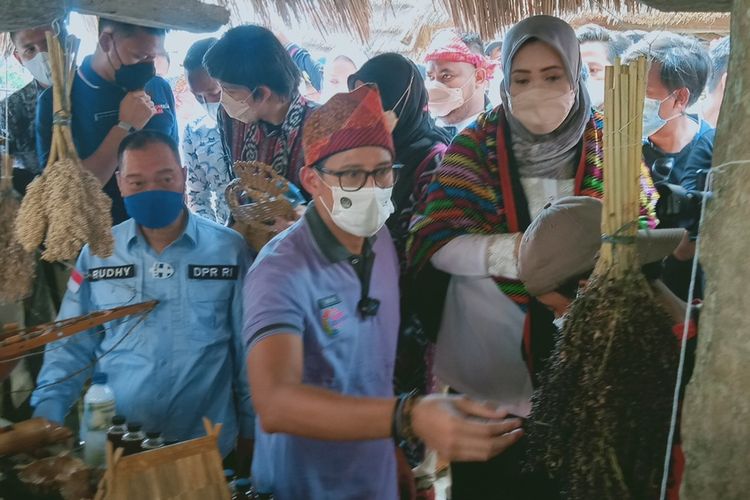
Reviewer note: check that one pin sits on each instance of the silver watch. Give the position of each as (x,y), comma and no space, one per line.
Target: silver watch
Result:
(126,126)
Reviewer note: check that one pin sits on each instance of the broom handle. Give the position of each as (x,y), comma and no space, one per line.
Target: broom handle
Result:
(56,66)
(6,178)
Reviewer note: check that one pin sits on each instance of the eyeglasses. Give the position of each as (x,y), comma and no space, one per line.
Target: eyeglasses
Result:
(354,180)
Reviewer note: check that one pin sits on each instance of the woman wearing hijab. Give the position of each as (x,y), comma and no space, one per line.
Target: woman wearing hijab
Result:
(542,143)
(419,145)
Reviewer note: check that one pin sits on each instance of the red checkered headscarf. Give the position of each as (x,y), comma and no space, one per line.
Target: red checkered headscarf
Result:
(448,46)
(347,121)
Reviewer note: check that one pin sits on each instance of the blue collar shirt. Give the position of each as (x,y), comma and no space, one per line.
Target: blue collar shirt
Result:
(185,359)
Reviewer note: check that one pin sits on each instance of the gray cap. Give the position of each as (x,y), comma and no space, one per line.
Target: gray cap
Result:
(563,241)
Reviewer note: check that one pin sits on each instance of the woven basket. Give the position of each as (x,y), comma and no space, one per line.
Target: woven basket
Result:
(256,220)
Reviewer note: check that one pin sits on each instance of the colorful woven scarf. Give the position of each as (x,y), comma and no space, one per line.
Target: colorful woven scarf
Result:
(475,191)
(280,146)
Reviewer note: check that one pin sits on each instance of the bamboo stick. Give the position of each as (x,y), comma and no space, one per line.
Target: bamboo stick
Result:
(605,259)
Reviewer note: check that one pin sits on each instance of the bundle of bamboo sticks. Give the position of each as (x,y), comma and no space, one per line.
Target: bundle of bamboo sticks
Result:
(625,91)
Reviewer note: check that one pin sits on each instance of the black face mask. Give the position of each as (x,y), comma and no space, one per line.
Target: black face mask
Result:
(135,76)
(132,77)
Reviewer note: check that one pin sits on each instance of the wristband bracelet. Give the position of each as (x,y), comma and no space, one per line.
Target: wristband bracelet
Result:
(401,427)
(395,419)
(407,431)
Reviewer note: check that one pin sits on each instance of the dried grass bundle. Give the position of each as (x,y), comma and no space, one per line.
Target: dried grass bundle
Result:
(16,264)
(65,207)
(600,420)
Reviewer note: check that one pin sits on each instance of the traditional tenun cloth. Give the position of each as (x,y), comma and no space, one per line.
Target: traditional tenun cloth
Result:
(477,190)
(448,46)
(347,121)
(276,145)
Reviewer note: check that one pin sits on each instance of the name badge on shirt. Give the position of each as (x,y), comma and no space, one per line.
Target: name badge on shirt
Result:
(196,272)
(111,273)
(331,317)
(161,108)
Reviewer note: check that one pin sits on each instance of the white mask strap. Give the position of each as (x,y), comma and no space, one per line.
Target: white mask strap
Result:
(405,96)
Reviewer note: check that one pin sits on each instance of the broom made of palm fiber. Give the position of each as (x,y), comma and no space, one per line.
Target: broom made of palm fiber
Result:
(65,207)
(16,264)
(600,418)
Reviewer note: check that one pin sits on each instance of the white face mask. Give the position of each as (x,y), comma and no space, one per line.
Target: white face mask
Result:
(361,213)
(212,109)
(652,120)
(596,92)
(540,112)
(39,68)
(442,99)
(239,110)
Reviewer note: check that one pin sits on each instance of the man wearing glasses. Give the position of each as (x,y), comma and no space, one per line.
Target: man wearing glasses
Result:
(321,335)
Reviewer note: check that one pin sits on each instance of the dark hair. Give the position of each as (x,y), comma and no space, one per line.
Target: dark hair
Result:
(684,61)
(141,139)
(194,57)
(569,289)
(263,61)
(719,54)
(634,36)
(474,42)
(615,42)
(128,30)
(14,34)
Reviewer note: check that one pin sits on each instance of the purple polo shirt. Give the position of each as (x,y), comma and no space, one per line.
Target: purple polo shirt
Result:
(316,298)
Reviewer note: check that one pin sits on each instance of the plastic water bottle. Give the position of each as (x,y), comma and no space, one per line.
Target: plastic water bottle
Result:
(242,489)
(117,431)
(153,441)
(98,411)
(131,441)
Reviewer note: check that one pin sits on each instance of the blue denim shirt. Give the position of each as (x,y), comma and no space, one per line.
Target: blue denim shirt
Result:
(186,359)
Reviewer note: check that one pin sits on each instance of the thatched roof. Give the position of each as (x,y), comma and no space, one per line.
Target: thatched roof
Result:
(406,26)
(704,25)
(396,26)
(188,15)
(364,18)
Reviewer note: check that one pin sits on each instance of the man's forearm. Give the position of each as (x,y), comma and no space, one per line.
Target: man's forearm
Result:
(317,413)
(103,162)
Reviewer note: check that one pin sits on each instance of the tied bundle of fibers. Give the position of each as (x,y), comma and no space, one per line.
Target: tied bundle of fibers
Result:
(65,207)
(600,420)
(16,264)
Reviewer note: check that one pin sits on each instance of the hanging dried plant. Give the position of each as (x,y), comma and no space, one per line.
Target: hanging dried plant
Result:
(65,207)
(16,264)
(600,419)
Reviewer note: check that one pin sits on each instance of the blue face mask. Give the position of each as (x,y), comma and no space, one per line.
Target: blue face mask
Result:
(154,209)
(652,120)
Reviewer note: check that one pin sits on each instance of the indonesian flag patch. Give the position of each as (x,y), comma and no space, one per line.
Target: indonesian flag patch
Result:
(74,283)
